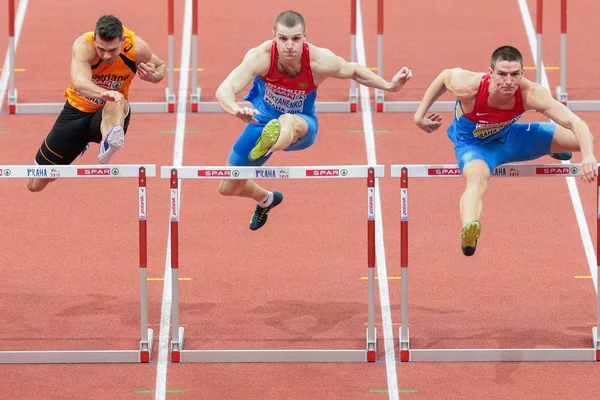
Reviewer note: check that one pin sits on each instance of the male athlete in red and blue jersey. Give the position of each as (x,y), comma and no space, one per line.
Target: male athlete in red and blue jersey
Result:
(286,72)
(485,131)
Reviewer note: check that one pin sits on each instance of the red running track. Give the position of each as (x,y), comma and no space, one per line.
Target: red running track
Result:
(292,284)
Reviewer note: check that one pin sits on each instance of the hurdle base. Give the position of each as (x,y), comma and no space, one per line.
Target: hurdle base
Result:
(412,106)
(320,106)
(177,346)
(80,356)
(178,354)
(146,347)
(56,108)
(500,355)
(273,356)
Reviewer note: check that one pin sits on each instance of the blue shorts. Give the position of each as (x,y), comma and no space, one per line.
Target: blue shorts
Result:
(522,142)
(246,141)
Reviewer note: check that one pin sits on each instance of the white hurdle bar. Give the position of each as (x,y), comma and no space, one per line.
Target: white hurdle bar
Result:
(404,172)
(144,353)
(177,351)
(199,106)
(14,107)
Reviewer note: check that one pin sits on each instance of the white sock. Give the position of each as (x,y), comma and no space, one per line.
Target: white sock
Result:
(267,201)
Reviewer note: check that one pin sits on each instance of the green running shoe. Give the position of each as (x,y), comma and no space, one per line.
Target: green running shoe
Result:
(469,237)
(566,156)
(268,137)
(259,218)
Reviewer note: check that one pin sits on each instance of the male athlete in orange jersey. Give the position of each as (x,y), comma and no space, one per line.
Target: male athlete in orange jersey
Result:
(485,131)
(285,72)
(103,64)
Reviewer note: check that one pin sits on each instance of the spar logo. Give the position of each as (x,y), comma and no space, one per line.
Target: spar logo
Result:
(443,171)
(97,171)
(556,170)
(4,172)
(327,172)
(218,172)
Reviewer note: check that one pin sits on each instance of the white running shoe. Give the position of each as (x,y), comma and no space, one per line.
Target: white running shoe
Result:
(111,144)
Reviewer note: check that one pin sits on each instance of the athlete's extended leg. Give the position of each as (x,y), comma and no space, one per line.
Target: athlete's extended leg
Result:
(477,175)
(248,188)
(279,134)
(112,129)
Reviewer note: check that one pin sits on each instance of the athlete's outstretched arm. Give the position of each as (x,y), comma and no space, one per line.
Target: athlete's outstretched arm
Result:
(81,72)
(235,82)
(342,69)
(150,67)
(455,80)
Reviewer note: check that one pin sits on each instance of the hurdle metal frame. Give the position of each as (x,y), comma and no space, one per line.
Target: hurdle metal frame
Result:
(561,92)
(177,351)
(14,107)
(381,104)
(405,172)
(199,106)
(144,353)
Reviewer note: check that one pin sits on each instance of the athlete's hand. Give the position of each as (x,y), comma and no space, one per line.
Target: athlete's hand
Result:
(589,168)
(400,79)
(430,123)
(111,95)
(147,72)
(247,114)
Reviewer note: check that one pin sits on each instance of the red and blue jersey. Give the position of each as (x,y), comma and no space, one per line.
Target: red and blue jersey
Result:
(484,122)
(274,93)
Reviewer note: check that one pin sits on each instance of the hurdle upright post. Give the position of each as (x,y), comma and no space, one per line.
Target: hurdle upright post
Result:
(539,17)
(12,98)
(404,331)
(176,330)
(145,346)
(379,96)
(596,329)
(353,56)
(195,93)
(561,91)
(170,90)
(371,259)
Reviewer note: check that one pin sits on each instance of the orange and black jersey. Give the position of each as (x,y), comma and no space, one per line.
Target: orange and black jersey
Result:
(117,76)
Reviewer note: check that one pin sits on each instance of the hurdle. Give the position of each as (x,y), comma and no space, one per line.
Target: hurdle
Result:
(14,107)
(141,355)
(398,106)
(561,90)
(180,354)
(404,172)
(199,106)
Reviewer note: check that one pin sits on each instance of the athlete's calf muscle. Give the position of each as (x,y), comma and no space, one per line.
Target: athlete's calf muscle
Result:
(38,184)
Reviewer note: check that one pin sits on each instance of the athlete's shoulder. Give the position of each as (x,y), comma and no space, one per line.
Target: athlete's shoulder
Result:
(84,47)
(534,95)
(262,50)
(462,82)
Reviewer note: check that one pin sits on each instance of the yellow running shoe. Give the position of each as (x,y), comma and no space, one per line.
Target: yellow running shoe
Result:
(268,137)
(469,237)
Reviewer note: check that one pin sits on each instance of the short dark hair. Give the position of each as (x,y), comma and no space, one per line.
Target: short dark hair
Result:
(109,27)
(506,53)
(289,19)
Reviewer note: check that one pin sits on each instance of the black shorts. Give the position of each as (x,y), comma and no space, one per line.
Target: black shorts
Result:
(72,131)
